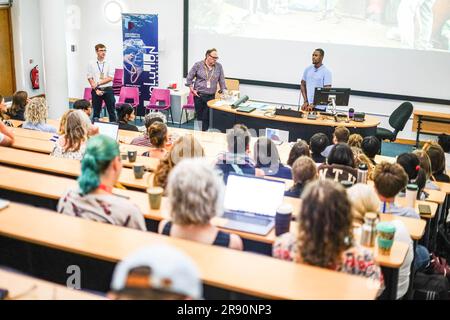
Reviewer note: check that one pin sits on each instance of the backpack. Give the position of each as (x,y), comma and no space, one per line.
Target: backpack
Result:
(430,287)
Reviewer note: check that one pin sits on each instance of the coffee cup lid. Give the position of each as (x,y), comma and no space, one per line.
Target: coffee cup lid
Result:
(386,227)
(412,187)
(155,190)
(285,208)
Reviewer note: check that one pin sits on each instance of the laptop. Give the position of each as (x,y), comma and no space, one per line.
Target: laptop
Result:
(108,129)
(277,136)
(251,203)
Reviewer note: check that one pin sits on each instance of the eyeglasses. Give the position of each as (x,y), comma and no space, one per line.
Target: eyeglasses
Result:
(215,58)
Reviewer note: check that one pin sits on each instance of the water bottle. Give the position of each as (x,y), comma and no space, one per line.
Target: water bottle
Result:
(362,173)
(369,231)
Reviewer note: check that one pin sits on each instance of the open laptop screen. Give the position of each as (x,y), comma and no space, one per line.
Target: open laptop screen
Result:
(254,195)
(108,129)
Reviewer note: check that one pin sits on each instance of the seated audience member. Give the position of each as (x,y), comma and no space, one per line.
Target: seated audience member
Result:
(149,119)
(157,134)
(444,142)
(361,158)
(237,158)
(36,114)
(325,234)
(425,164)
(185,147)
(72,144)
(317,144)
(6,135)
(268,160)
(300,148)
(341,135)
(371,146)
(340,165)
(355,140)
(304,170)
(86,107)
(19,102)
(125,114)
(83,105)
(416,175)
(157,272)
(195,194)
(364,200)
(3,109)
(62,122)
(437,158)
(390,179)
(94,199)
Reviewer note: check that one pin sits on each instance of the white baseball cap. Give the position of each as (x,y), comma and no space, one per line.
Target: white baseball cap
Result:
(171,270)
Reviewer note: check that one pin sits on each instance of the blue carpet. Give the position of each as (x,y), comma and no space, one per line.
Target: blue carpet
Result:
(390,149)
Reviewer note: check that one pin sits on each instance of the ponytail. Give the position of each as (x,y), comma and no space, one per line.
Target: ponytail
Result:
(100,151)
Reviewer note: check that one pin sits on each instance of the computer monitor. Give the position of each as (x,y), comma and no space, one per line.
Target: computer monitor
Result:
(254,195)
(323,97)
(108,129)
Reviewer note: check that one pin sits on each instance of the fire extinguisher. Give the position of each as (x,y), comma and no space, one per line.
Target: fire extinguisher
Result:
(34,76)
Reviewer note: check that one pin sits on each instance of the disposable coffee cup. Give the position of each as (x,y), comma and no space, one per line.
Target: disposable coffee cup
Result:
(139,171)
(154,197)
(124,156)
(385,239)
(132,156)
(411,195)
(283,219)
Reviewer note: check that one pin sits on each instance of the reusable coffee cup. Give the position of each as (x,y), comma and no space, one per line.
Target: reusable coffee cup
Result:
(283,219)
(385,239)
(155,196)
(411,195)
(139,171)
(132,155)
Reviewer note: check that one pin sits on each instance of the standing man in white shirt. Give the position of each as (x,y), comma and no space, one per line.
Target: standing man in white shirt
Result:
(100,76)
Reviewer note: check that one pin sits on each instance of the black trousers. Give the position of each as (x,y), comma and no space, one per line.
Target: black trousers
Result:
(202,109)
(110,102)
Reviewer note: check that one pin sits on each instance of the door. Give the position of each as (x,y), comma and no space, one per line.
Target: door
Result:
(7,79)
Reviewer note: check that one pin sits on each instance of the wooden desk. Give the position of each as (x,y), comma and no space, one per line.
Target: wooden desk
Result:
(224,117)
(28,288)
(67,167)
(432,123)
(379,159)
(227,269)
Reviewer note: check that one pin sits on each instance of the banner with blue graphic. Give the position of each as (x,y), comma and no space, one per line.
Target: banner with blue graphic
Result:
(140,54)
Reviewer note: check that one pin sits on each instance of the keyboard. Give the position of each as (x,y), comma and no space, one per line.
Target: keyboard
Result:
(247,219)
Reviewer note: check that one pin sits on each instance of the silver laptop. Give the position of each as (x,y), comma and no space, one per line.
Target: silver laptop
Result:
(251,203)
(108,129)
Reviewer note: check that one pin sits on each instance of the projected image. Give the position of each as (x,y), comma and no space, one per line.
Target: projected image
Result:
(413,24)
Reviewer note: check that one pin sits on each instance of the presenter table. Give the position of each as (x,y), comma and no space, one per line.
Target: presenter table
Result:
(432,123)
(224,117)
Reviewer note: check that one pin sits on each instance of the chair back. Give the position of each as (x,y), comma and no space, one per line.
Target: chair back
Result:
(190,99)
(118,81)
(129,93)
(159,94)
(400,116)
(87,94)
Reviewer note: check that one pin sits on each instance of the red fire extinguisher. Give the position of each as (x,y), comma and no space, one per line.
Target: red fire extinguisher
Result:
(34,76)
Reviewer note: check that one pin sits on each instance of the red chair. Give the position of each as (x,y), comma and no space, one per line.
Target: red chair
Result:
(118,81)
(129,93)
(160,101)
(188,106)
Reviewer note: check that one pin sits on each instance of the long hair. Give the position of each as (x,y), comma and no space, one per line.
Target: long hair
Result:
(100,151)
(19,102)
(76,131)
(325,224)
(185,147)
(36,111)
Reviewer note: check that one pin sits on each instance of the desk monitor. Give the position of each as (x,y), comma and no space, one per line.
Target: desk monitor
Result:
(108,129)
(323,96)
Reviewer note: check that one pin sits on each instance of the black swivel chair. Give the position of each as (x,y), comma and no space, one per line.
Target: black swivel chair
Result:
(397,120)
